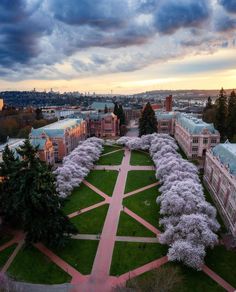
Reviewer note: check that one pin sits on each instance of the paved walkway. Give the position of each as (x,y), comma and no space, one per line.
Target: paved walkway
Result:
(117,150)
(99,279)
(142,221)
(100,272)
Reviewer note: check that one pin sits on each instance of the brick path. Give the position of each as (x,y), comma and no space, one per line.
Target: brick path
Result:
(99,280)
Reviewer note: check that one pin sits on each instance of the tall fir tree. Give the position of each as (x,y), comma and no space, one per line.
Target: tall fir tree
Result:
(148,121)
(231,121)
(28,196)
(116,109)
(105,109)
(121,115)
(221,115)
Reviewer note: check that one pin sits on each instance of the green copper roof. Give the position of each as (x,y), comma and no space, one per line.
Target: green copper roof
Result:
(56,129)
(101,105)
(226,153)
(194,125)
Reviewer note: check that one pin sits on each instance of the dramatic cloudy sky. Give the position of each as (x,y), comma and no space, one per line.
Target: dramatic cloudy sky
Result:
(121,45)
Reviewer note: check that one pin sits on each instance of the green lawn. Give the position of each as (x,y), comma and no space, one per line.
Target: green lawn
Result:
(144,204)
(223,262)
(104,180)
(108,148)
(80,198)
(91,222)
(130,255)
(192,281)
(4,238)
(30,265)
(140,158)
(111,159)
(80,254)
(130,227)
(139,178)
(5,254)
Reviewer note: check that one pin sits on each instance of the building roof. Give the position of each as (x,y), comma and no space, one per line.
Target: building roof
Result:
(226,153)
(160,115)
(56,129)
(97,105)
(194,125)
(12,144)
(38,142)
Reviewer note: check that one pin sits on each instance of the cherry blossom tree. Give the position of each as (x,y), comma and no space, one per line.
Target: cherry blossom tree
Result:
(189,221)
(77,165)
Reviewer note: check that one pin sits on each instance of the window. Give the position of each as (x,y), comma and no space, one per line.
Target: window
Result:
(213,141)
(205,140)
(194,149)
(195,140)
(194,156)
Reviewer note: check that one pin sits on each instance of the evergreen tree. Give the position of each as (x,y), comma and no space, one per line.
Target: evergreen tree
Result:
(105,109)
(231,121)
(221,114)
(148,121)
(38,114)
(116,109)
(121,115)
(209,104)
(28,195)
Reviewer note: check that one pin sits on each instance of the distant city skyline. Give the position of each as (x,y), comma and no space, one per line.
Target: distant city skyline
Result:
(123,47)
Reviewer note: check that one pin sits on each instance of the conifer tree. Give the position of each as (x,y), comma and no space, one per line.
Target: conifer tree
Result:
(28,196)
(148,121)
(116,109)
(221,114)
(231,121)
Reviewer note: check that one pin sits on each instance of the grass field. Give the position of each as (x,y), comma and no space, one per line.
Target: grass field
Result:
(80,254)
(144,204)
(223,262)
(111,159)
(103,179)
(130,255)
(130,227)
(30,265)
(5,254)
(108,148)
(80,198)
(91,222)
(191,281)
(139,178)
(140,158)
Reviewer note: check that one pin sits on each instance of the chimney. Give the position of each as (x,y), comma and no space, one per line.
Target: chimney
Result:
(169,103)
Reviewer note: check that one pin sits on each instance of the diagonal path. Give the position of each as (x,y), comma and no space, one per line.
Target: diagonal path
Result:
(13,255)
(141,270)
(96,190)
(100,272)
(141,221)
(105,154)
(87,209)
(218,279)
(141,190)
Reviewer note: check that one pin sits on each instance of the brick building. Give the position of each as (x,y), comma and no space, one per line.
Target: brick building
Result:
(220,178)
(103,125)
(194,136)
(64,135)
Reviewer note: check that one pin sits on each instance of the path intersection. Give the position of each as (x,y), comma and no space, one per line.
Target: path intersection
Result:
(100,280)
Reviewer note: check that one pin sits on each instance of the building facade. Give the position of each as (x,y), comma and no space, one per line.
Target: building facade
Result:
(65,136)
(220,178)
(194,136)
(165,122)
(103,125)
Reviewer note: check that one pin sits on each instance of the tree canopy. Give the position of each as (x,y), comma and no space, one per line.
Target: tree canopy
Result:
(28,197)
(148,121)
